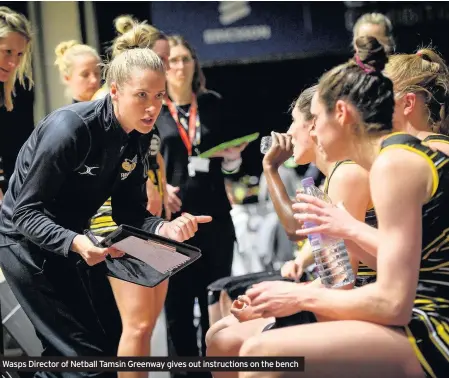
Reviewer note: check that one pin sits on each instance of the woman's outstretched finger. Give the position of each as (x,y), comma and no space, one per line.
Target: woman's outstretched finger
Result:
(310,217)
(307,208)
(300,207)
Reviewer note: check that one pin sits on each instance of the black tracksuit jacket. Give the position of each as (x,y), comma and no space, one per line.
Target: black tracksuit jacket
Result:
(74,160)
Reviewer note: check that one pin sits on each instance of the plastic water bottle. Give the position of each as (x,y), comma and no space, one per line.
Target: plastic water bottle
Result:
(331,256)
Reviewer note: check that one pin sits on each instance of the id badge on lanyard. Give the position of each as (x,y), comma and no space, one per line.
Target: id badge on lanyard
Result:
(196,164)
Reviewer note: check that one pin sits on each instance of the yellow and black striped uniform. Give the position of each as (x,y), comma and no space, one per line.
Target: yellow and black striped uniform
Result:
(428,330)
(101,223)
(436,138)
(365,274)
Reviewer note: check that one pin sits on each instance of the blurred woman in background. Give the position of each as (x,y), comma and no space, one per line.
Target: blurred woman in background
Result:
(192,121)
(15,63)
(79,67)
(376,25)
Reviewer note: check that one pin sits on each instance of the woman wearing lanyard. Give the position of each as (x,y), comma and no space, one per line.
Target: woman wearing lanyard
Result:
(191,122)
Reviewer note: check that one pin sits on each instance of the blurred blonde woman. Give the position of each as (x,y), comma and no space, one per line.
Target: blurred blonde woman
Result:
(139,306)
(79,67)
(376,25)
(15,62)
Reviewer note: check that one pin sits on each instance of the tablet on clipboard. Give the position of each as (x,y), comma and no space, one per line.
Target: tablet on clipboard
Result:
(149,258)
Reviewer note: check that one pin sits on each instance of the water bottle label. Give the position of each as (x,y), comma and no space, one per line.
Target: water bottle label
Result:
(315,242)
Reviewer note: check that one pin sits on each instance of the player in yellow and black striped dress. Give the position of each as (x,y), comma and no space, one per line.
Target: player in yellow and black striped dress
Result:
(429,329)
(422,72)
(365,274)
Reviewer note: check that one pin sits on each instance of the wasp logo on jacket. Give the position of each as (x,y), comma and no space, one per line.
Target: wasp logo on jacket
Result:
(128,166)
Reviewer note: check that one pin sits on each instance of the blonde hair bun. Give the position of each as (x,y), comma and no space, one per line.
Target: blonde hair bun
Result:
(67,51)
(63,47)
(124,23)
(437,63)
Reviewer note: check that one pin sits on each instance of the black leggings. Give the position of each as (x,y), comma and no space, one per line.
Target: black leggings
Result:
(57,300)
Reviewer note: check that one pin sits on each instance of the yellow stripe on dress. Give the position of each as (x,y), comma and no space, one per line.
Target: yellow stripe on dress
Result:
(102,219)
(152,177)
(443,163)
(445,325)
(434,299)
(366,274)
(433,335)
(422,301)
(418,353)
(440,330)
(443,238)
(432,268)
(96,226)
(159,181)
(430,140)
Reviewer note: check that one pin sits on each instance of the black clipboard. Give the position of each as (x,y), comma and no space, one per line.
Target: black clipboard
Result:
(132,269)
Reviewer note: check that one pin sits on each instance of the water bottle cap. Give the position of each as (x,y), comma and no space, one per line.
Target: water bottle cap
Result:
(308,181)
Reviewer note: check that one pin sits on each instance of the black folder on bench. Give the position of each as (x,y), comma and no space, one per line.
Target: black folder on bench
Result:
(149,259)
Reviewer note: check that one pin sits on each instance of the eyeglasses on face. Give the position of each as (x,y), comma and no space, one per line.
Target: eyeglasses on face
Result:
(173,62)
